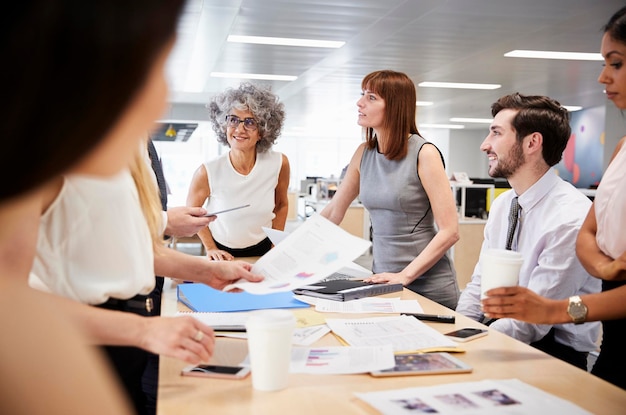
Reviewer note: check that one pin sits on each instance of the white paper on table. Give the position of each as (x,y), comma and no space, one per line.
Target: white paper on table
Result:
(510,397)
(306,336)
(303,336)
(369,305)
(219,319)
(404,333)
(339,360)
(316,249)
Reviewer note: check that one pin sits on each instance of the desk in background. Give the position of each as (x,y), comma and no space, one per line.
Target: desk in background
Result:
(462,188)
(495,356)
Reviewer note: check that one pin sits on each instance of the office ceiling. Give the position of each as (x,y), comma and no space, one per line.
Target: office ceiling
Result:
(430,40)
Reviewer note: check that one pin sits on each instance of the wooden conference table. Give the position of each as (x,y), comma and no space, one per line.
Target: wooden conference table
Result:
(495,356)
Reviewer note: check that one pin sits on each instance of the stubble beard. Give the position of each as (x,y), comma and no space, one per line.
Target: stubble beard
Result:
(507,167)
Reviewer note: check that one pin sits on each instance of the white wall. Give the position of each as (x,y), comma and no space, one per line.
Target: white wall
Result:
(181,159)
(328,152)
(465,154)
(317,156)
(440,138)
(322,156)
(323,153)
(614,131)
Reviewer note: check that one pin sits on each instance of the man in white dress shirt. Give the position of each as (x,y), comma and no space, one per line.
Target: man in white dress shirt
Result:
(527,137)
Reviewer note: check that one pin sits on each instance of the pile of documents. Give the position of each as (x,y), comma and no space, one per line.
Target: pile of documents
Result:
(510,397)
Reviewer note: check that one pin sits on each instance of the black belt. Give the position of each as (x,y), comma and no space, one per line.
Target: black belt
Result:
(139,304)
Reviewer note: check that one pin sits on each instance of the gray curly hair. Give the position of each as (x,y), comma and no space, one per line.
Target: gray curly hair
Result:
(261,102)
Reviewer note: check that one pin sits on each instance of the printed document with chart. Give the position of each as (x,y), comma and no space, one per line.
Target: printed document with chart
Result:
(316,249)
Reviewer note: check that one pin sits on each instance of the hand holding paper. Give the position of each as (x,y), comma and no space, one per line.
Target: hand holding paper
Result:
(316,249)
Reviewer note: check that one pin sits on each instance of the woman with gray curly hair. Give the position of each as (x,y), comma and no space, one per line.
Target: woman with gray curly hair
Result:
(248,119)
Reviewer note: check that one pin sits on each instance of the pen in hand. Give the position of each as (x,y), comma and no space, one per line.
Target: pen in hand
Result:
(438,318)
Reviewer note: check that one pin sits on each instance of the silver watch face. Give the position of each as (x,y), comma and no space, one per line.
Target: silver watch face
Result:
(577,310)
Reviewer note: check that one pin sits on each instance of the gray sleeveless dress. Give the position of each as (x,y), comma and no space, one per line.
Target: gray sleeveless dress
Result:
(402,221)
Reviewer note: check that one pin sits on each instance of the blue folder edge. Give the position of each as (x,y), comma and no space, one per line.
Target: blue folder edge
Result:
(202,298)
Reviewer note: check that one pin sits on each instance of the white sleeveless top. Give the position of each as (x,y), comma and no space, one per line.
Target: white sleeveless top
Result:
(94,242)
(609,204)
(229,188)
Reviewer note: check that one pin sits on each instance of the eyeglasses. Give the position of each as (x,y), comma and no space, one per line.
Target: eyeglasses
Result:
(249,124)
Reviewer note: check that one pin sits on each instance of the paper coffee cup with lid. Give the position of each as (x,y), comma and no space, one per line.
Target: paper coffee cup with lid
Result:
(500,268)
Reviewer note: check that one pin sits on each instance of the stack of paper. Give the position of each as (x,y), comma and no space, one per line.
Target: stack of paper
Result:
(367,305)
(510,396)
(404,333)
(303,335)
(341,360)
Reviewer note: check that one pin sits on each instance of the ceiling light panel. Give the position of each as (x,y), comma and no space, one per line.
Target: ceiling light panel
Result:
(546,54)
(259,76)
(472,120)
(283,41)
(448,126)
(458,85)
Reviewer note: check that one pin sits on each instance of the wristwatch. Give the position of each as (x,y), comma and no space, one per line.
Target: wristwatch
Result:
(577,310)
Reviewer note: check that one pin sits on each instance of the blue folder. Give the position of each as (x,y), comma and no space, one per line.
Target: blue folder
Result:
(202,298)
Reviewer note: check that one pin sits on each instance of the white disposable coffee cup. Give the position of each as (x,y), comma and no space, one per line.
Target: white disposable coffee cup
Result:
(270,335)
(500,268)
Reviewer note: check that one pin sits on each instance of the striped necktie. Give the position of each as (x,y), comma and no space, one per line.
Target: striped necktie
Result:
(513,216)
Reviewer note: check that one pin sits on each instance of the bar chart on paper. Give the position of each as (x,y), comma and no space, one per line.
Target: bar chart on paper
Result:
(320,357)
(341,360)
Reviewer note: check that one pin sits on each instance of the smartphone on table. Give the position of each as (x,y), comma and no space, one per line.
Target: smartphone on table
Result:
(216,371)
(466,334)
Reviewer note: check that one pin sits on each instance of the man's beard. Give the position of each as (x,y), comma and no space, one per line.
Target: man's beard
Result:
(507,167)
